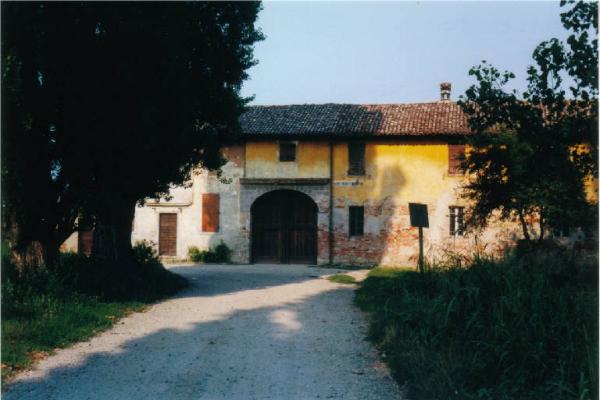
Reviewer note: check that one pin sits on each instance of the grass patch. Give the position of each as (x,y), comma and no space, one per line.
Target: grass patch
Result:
(51,323)
(44,309)
(341,278)
(519,328)
(347,267)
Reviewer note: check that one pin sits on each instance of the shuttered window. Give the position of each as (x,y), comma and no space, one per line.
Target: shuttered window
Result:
(457,221)
(357,221)
(456,155)
(210,212)
(356,158)
(287,151)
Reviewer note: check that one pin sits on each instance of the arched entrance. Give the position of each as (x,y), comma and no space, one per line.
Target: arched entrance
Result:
(284,228)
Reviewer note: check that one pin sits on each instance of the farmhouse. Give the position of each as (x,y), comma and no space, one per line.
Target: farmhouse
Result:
(327,183)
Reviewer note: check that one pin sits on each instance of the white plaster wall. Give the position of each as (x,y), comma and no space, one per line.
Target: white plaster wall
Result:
(186,202)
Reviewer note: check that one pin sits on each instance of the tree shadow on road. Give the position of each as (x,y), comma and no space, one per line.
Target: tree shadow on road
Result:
(286,340)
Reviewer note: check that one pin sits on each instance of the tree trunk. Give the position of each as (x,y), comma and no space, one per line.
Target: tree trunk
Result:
(112,234)
(524,226)
(541,238)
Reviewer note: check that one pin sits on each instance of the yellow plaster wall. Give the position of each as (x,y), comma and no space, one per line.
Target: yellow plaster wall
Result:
(262,161)
(403,171)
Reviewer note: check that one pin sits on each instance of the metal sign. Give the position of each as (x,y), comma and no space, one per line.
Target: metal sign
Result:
(418,215)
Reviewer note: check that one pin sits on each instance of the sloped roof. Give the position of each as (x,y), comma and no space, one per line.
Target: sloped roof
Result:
(417,119)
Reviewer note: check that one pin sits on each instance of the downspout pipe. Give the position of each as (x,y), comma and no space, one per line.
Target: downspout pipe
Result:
(330,240)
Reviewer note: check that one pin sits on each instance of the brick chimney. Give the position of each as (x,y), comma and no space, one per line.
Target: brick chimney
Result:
(445,89)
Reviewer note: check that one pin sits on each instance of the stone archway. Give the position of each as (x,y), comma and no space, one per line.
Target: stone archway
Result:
(284,228)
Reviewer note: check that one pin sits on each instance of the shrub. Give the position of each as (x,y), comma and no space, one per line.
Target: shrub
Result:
(195,254)
(518,328)
(145,252)
(221,253)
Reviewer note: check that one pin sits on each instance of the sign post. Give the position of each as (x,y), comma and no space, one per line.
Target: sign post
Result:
(419,218)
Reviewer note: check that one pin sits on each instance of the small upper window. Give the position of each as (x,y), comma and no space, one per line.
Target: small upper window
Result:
(287,151)
(356,158)
(457,221)
(456,156)
(357,221)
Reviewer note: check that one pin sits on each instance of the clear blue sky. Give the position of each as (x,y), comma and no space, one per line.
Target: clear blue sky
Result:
(390,52)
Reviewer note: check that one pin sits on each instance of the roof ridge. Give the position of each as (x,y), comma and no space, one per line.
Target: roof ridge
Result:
(351,104)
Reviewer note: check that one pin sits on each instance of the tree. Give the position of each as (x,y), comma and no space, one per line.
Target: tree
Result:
(531,156)
(124,100)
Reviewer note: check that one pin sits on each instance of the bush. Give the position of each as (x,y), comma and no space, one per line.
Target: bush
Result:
(518,328)
(144,252)
(195,254)
(221,253)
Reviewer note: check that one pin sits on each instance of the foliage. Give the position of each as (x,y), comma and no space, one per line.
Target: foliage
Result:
(144,252)
(105,105)
(347,267)
(519,328)
(527,159)
(341,278)
(221,253)
(195,254)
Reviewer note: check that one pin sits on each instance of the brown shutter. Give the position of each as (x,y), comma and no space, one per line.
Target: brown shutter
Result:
(456,154)
(210,212)
(356,158)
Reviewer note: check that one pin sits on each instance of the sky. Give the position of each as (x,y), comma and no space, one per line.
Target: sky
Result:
(391,52)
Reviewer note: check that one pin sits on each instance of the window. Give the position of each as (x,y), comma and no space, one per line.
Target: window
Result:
(457,221)
(456,155)
(356,158)
(287,151)
(210,212)
(357,220)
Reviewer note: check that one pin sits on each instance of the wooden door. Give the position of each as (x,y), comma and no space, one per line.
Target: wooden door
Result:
(284,228)
(167,235)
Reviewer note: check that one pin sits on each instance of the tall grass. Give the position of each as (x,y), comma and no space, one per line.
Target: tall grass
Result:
(517,328)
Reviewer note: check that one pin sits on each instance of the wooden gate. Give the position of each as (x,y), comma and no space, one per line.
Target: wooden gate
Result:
(167,235)
(284,228)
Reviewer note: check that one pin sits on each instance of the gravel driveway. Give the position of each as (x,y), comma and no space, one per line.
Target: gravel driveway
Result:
(238,332)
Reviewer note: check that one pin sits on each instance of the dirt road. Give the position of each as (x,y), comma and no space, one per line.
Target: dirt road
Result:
(238,332)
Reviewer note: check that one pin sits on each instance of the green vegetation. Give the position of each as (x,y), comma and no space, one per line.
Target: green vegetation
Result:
(517,328)
(221,253)
(347,267)
(44,322)
(525,160)
(70,163)
(44,309)
(341,278)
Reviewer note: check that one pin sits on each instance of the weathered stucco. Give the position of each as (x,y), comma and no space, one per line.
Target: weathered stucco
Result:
(262,160)
(187,204)
(397,172)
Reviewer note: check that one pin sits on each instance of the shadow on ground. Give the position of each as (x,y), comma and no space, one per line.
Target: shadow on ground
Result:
(238,332)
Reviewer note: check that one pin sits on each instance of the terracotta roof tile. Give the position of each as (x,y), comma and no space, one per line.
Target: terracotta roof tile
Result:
(418,119)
